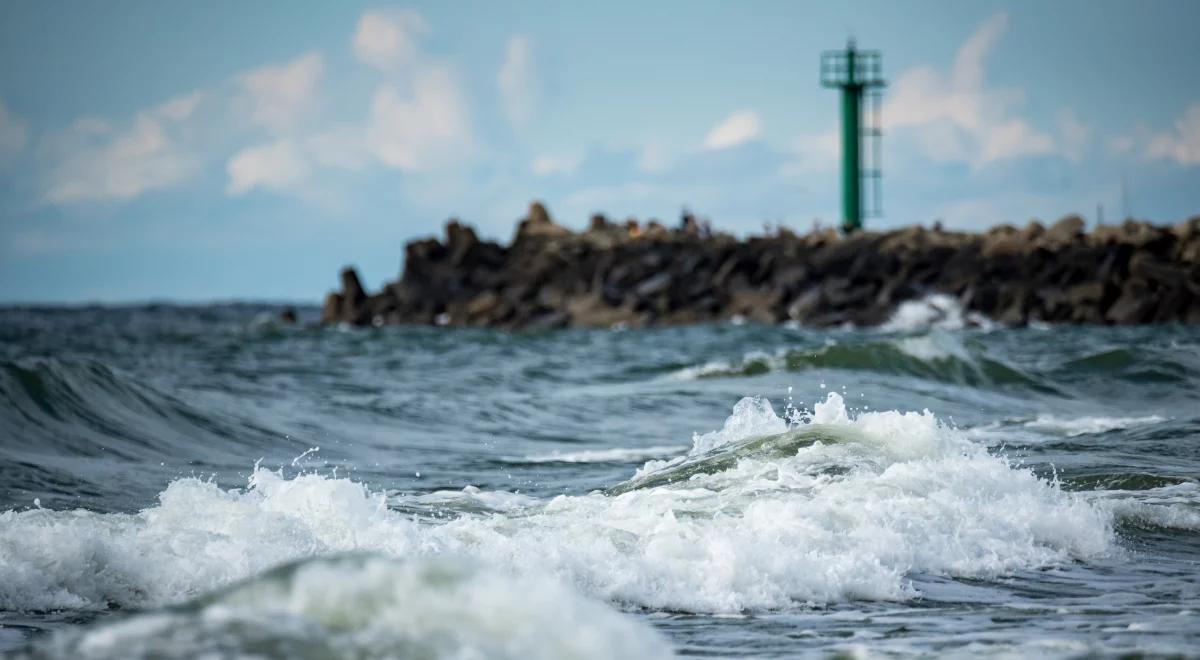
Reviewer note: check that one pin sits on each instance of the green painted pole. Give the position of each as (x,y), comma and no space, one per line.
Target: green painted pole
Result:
(851,147)
(853,72)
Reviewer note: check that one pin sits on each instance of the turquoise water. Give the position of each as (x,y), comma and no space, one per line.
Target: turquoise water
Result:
(186,480)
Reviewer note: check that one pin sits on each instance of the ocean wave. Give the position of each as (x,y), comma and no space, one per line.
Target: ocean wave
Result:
(1167,507)
(79,407)
(937,356)
(1138,364)
(1076,426)
(372,607)
(85,408)
(821,521)
(935,311)
(613,455)
(443,504)
(1047,429)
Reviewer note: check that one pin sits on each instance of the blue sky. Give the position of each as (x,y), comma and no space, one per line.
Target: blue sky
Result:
(204,151)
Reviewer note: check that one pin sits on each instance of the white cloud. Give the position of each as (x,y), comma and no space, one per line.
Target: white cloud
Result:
(277,166)
(1073,135)
(1181,145)
(279,96)
(389,39)
(342,147)
(1121,144)
(555,165)
(14,133)
(519,92)
(181,107)
(738,128)
(416,119)
(94,162)
(813,153)
(654,158)
(425,129)
(954,117)
(288,165)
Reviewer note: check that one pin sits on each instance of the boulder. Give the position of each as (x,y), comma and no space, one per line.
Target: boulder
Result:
(591,311)
(754,304)
(1134,305)
(538,224)
(352,289)
(1067,230)
(805,305)
(653,286)
(331,311)
(632,274)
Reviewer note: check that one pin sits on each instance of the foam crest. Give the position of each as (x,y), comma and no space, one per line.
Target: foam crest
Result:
(1167,507)
(614,455)
(847,507)
(372,607)
(937,355)
(934,311)
(1077,426)
(751,416)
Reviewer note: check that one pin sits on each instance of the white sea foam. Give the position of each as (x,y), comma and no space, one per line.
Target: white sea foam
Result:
(1076,426)
(467,500)
(372,607)
(835,522)
(613,455)
(1173,507)
(934,311)
(768,361)
(933,347)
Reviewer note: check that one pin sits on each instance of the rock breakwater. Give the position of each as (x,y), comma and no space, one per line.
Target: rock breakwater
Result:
(634,275)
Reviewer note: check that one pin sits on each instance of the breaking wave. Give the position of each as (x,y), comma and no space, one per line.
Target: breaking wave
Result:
(935,311)
(1077,426)
(936,356)
(373,607)
(613,455)
(766,513)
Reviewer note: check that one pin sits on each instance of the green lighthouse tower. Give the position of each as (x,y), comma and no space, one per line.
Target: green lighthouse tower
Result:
(858,73)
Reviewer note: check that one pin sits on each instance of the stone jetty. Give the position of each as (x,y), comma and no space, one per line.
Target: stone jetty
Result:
(630,274)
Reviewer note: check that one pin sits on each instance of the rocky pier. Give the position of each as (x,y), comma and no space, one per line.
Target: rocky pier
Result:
(635,275)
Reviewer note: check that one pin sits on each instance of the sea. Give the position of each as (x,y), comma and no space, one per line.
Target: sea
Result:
(181,481)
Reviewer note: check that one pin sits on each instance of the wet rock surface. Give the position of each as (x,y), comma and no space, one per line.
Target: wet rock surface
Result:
(634,275)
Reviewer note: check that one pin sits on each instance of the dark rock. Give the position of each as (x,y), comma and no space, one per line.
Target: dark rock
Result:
(756,305)
(633,275)
(352,289)
(548,320)
(538,224)
(331,312)
(653,286)
(805,305)
(1146,266)
(1067,230)
(1135,305)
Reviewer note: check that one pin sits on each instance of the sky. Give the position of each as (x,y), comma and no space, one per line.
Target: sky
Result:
(248,150)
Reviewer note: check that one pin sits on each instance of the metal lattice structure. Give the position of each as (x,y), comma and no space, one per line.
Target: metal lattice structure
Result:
(859,74)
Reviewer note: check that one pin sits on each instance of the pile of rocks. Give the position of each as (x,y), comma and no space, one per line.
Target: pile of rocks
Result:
(634,275)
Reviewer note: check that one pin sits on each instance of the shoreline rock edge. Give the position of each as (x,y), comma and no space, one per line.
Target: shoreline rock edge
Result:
(634,275)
